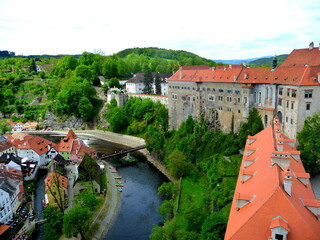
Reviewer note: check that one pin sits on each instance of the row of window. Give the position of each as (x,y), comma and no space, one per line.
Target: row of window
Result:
(228,90)
(293,93)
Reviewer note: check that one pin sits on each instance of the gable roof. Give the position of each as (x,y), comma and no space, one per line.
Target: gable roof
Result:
(302,57)
(276,189)
(300,75)
(53,177)
(65,144)
(38,144)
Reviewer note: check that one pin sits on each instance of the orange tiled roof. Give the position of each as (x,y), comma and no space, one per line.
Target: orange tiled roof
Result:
(52,177)
(3,228)
(277,191)
(38,144)
(301,57)
(299,75)
(65,144)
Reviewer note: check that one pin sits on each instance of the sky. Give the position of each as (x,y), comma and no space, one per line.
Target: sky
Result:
(230,29)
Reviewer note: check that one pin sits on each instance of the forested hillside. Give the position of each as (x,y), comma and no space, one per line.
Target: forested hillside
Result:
(64,84)
(267,62)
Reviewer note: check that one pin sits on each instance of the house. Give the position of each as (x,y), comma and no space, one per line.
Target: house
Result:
(30,126)
(35,148)
(73,148)
(292,91)
(273,198)
(56,186)
(11,193)
(19,126)
(6,146)
(136,85)
(6,213)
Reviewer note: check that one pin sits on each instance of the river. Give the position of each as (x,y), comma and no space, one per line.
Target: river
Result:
(137,211)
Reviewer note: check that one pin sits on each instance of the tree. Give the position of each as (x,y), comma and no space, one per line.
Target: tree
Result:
(117,119)
(85,72)
(4,127)
(251,127)
(178,166)
(110,68)
(87,200)
(69,62)
(85,108)
(76,221)
(309,144)
(157,83)
(53,224)
(147,81)
(33,67)
(113,82)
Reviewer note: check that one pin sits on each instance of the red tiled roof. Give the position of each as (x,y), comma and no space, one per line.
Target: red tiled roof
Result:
(301,57)
(38,144)
(253,220)
(3,228)
(52,177)
(299,75)
(65,143)
(5,145)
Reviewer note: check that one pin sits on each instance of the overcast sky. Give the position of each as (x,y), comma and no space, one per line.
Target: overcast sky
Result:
(233,29)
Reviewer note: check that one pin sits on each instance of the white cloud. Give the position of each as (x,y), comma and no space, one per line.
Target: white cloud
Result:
(212,29)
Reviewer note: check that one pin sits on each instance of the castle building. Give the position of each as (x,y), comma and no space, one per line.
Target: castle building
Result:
(225,95)
(273,198)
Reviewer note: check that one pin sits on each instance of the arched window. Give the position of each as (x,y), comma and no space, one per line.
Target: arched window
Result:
(267,93)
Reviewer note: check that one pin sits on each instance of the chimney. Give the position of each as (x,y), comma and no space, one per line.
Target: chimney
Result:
(311,46)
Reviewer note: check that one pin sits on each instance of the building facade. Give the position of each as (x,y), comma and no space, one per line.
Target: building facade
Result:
(136,85)
(225,95)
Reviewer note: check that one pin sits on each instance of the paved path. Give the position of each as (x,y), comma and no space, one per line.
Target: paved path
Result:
(112,198)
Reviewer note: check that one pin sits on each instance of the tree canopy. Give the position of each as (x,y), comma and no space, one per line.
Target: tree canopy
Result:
(309,144)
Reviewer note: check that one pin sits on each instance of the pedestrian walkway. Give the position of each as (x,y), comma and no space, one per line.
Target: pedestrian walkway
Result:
(103,219)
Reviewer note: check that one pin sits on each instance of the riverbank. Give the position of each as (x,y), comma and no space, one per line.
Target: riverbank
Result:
(117,138)
(108,210)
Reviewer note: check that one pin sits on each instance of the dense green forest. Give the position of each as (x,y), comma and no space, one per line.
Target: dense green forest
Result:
(267,62)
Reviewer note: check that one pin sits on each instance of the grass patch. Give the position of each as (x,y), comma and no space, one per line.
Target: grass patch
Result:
(193,192)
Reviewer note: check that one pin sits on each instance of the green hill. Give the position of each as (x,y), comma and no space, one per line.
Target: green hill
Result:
(268,61)
(168,54)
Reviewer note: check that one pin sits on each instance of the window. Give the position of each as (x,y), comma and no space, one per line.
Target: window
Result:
(208,89)
(239,111)
(279,237)
(259,97)
(287,104)
(213,90)
(220,108)
(220,98)
(245,99)
(292,105)
(237,91)
(288,92)
(293,93)
(220,90)
(308,93)
(211,97)
(308,106)
(174,96)
(229,90)
(287,119)
(291,121)
(267,93)
(280,101)
(280,91)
